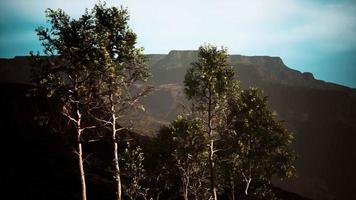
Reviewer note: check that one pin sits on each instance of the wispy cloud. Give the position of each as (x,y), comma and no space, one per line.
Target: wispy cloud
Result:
(240,24)
(245,26)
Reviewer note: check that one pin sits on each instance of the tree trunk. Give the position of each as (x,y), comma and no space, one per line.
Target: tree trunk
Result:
(116,156)
(81,168)
(212,172)
(80,156)
(248,182)
(186,186)
(186,192)
(117,170)
(158,194)
(211,150)
(232,189)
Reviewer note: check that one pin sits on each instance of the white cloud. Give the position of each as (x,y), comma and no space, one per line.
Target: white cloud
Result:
(244,26)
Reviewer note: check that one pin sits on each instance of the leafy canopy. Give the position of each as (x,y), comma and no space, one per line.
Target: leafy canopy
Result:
(209,77)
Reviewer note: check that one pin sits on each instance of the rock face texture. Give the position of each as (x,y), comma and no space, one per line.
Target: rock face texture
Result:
(321,115)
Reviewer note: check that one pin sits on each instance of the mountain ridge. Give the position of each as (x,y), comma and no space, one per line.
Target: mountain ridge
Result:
(263,63)
(271,66)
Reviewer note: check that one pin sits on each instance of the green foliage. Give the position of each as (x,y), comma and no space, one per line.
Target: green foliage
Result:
(83,53)
(186,154)
(134,173)
(94,72)
(122,75)
(258,143)
(258,127)
(123,64)
(207,84)
(209,77)
(68,72)
(252,146)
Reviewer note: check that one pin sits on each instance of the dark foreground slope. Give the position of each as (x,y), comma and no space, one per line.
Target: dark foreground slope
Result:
(38,164)
(321,115)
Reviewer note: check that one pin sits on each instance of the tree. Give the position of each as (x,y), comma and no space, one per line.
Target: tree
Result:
(228,157)
(123,70)
(161,168)
(258,144)
(134,172)
(68,72)
(93,68)
(206,84)
(186,155)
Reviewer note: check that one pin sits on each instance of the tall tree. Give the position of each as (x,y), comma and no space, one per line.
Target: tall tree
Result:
(93,66)
(226,164)
(68,72)
(206,84)
(258,144)
(124,72)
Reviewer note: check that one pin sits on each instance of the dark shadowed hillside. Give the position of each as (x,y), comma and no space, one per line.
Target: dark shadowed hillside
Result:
(321,115)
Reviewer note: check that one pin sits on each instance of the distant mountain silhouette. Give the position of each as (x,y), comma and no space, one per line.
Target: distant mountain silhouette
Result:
(321,115)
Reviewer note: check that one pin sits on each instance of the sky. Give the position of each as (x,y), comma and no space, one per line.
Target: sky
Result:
(317,36)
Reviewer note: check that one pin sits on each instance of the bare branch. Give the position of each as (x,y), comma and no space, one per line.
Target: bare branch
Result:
(94,140)
(106,122)
(89,127)
(70,118)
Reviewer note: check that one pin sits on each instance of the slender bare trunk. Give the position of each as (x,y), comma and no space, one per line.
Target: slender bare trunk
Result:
(248,182)
(117,169)
(158,195)
(186,192)
(212,171)
(81,168)
(116,156)
(186,187)
(211,150)
(80,155)
(248,178)
(232,188)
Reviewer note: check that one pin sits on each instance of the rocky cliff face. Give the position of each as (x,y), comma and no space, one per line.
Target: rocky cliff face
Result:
(322,115)
(251,70)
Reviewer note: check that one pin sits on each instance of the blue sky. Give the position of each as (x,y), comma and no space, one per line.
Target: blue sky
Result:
(317,36)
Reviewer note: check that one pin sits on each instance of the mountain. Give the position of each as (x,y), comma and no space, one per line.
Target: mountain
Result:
(321,115)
